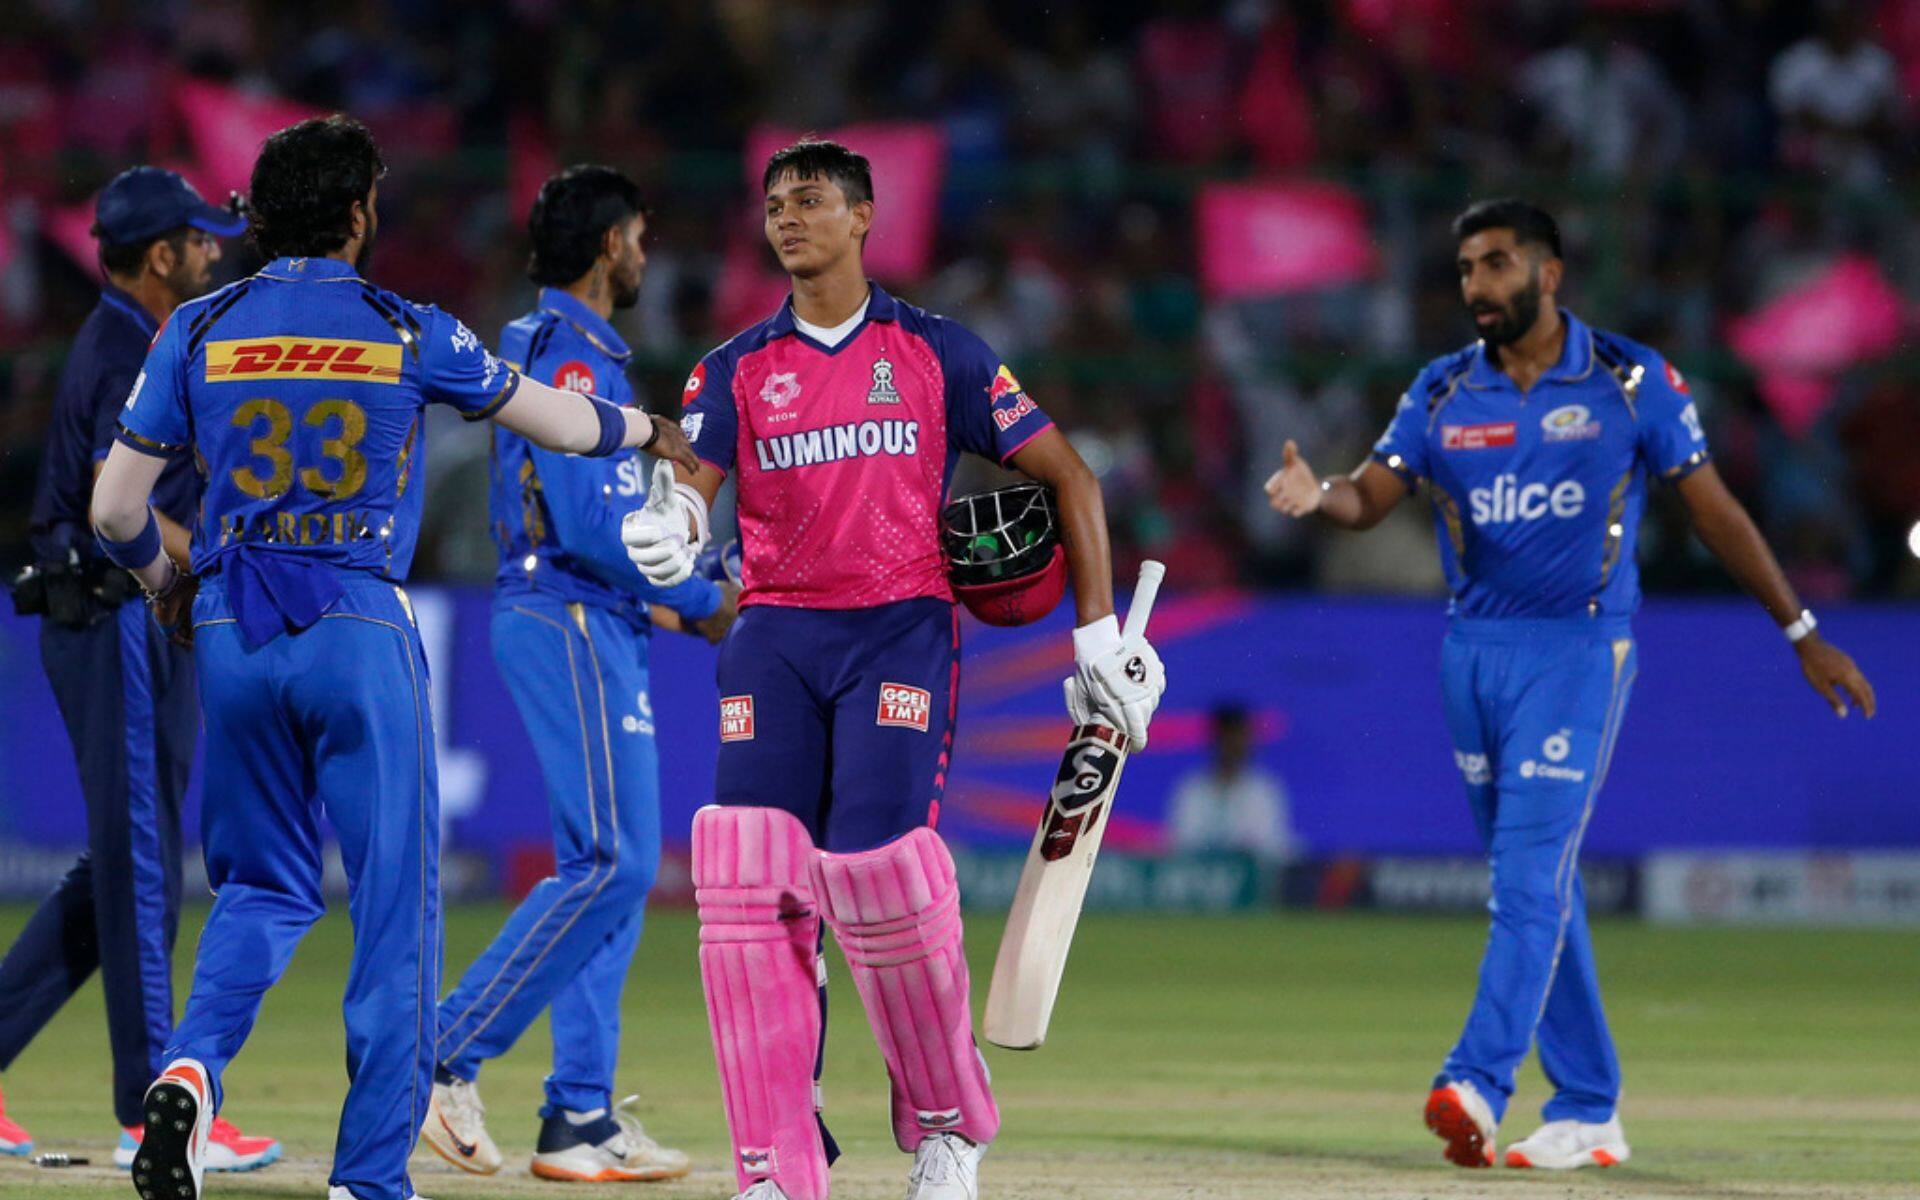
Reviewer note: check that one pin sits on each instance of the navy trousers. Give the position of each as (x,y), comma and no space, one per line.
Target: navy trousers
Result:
(127,697)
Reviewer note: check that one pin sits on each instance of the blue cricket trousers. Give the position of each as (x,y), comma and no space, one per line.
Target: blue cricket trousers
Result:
(334,719)
(578,675)
(126,695)
(1534,708)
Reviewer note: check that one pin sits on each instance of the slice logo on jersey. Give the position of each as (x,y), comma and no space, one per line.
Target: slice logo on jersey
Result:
(695,382)
(736,718)
(1677,381)
(1569,423)
(883,391)
(857,439)
(575,376)
(1490,436)
(946,1118)
(904,707)
(1509,500)
(1474,768)
(757,1160)
(302,358)
(781,389)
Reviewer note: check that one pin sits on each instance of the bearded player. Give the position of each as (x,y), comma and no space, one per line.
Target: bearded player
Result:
(842,417)
(1536,443)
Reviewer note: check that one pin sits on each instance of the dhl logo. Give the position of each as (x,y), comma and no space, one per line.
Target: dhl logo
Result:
(302,358)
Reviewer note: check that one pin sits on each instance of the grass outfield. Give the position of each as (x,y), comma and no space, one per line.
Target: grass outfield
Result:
(1189,1057)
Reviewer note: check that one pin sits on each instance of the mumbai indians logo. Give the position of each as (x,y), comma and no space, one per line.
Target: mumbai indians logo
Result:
(1569,423)
(302,358)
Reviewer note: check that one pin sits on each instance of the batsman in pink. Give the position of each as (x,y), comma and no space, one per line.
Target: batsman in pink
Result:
(841,418)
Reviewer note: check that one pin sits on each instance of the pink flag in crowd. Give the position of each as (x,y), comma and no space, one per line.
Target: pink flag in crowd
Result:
(908,158)
(1801,340)
(226,127)
(1274,239)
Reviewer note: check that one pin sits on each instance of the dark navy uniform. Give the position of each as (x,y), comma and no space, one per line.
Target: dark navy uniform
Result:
(127,696)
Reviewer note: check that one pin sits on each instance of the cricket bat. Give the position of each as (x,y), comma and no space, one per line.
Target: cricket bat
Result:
(1053,883)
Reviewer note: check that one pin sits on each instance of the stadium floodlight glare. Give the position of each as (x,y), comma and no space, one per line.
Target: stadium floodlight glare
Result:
(1913,540)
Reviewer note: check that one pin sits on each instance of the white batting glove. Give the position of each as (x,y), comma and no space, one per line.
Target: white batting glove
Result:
(1116,682)
(664,537)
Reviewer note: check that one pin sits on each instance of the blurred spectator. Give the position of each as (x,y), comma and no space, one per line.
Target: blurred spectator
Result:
(1605,108)
(1232,804)
(1838,95)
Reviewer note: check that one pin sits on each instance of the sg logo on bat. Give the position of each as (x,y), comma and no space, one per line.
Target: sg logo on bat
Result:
(1080,789)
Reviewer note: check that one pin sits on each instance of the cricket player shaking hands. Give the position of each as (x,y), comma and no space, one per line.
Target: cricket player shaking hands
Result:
(301,390)
(841,417)
(571,630)
(1536,443)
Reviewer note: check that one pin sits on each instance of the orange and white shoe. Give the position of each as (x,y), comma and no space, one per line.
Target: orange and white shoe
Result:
(603,1148)
(1460,1116)
(1565,1145)
(227,1148)
(456,1127)
(171,1161)
(13,1139)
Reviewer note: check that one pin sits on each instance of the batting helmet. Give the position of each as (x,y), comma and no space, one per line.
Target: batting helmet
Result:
(1004,554)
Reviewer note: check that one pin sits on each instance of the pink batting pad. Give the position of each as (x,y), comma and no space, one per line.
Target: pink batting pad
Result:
(759,958)
(895,911)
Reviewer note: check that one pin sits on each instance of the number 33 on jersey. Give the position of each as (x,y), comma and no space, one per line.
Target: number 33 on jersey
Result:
(309,440)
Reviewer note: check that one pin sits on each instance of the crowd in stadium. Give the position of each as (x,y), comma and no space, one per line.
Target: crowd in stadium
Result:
(1698,185)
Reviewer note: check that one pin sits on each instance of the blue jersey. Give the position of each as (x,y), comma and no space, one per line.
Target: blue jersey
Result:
(301,390)
(1537,497)
(556,517)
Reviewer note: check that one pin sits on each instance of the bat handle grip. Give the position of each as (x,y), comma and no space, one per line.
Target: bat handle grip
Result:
(1151,573)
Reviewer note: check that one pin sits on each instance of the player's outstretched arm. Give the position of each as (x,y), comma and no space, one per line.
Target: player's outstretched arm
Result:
(1357,501)
(576,424)
(1725,528)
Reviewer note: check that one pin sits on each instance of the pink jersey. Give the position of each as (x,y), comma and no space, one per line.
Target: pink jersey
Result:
(842,456)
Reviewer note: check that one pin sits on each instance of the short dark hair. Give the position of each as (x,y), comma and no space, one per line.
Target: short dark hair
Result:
(305,183)
(570,217)
(812,157)
(1530,223)
(125,258)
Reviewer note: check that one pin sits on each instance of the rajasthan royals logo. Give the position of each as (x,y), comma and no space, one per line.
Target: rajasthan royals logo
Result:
(883,391)
(781,389)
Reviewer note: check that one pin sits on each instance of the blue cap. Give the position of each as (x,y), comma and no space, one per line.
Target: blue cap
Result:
(146,202)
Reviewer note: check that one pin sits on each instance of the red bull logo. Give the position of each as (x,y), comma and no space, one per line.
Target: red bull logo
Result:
(1004,384)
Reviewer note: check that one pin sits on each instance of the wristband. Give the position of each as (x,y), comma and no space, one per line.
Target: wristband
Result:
(1805,625)
(613,427)
(134,554)
(653,433)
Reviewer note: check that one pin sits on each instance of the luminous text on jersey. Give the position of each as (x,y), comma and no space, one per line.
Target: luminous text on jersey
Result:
(302,358)
(856,439)
(1510,500)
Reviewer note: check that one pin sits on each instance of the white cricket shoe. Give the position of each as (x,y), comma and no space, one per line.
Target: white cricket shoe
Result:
(172,1159)
(1460,1116)
(336,1192)
(946,1167)
(1564,1145)
(765,1189)
(456,1128)
(604,1149)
